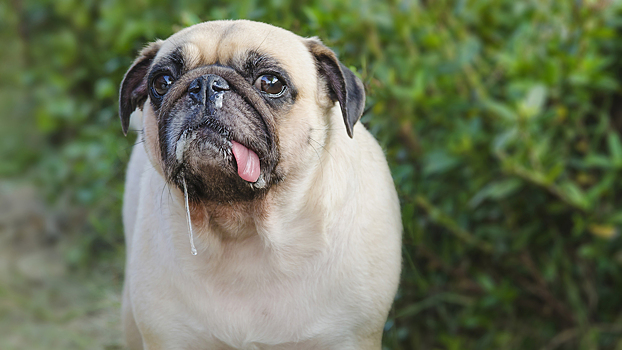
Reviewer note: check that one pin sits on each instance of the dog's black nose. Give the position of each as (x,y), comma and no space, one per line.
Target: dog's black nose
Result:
(205,88)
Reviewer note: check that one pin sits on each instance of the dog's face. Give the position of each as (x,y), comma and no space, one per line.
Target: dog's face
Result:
(234,107)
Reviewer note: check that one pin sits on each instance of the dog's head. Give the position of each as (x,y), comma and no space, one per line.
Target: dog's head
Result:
(235,107)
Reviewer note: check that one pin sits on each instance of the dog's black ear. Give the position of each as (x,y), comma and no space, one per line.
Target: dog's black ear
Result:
(343,85)
(133,91)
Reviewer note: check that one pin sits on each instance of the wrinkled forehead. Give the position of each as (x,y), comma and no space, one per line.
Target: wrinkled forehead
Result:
(223,42)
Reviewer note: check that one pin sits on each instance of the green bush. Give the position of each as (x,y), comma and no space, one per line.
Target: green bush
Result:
(501,121)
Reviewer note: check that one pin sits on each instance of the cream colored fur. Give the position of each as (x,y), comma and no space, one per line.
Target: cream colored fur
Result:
(315,265)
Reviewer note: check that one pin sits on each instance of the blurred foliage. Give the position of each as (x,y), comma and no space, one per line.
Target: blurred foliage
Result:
(501,121)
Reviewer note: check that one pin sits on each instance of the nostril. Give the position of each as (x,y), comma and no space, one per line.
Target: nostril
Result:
(205,87)
(194,91)
(195,86)
(220,84)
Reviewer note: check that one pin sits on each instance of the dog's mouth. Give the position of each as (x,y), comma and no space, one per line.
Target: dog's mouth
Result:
(216,162)
(242,158)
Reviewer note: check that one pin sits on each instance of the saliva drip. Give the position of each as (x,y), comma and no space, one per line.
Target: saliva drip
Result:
(193,249)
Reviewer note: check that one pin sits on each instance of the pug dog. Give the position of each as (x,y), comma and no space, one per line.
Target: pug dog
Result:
(258,213)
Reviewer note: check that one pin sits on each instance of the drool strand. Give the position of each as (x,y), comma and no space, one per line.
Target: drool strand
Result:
(193,250)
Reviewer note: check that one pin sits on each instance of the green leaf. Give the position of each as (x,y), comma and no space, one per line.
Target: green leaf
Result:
(439,162)
(500,109)
(574,194)
(434,301)
(502,140)
(533,103)
(615,148)
(616,218)
(496,190)
(596,161)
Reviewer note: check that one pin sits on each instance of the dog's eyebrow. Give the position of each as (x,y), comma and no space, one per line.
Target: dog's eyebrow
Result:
(257,61)
(173,60)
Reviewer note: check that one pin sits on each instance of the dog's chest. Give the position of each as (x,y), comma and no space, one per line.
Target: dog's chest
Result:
(266,316)
(248,313)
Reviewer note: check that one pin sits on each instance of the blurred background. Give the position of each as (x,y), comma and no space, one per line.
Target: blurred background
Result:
(501,121)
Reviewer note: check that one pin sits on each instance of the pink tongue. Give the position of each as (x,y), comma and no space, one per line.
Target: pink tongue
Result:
(248,162)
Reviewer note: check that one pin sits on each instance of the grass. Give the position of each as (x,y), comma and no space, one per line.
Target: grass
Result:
(54,309)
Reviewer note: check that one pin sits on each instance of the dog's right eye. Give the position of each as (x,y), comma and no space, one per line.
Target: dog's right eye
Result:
(162,83)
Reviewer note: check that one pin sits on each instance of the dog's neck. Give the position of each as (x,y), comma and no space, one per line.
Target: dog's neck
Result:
(227,221)
(281,231)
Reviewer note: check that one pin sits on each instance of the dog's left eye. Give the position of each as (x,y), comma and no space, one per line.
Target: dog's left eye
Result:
(270,84)
(162,83)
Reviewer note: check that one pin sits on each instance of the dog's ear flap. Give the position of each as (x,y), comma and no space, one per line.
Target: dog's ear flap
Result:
(133,91)
(343,85)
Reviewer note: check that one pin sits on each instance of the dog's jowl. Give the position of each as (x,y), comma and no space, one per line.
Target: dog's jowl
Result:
(252,147)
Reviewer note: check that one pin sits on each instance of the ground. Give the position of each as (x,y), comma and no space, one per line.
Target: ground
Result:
(44,303)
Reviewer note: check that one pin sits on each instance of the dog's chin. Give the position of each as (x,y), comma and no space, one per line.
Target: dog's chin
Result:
(204,162)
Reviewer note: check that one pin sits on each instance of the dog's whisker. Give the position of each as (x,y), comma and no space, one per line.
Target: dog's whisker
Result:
(321,145)
(137,143)
(162,193)
(264,39)
(318,156)
(170,195)
(193,249)
(125,149)
(325,129)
